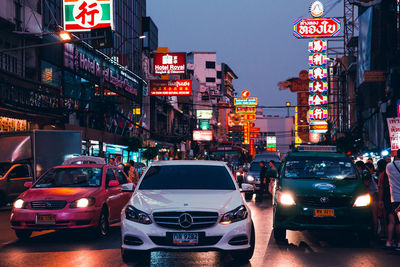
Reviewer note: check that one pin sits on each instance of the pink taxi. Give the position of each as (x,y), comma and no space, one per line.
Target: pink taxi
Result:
(72,196)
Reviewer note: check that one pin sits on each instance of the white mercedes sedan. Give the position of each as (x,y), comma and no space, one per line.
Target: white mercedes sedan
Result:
(187,206)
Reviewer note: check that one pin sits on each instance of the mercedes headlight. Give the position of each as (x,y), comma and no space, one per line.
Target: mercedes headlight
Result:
(135,215)
(363,201)
(238,214)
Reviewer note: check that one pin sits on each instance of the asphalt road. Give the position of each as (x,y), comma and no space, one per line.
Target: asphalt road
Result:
(303,249)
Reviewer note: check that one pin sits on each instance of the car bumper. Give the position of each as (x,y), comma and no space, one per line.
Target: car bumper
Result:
(152,237)
(302,218)
(25,219)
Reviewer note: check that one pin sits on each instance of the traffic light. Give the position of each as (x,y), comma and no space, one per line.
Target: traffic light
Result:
(105,37)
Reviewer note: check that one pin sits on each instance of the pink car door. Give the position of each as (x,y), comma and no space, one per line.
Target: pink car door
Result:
(122,179)
(113,196)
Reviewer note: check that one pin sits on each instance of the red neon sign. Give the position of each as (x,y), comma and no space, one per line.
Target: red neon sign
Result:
(164,87)
(169,63)
(316,27)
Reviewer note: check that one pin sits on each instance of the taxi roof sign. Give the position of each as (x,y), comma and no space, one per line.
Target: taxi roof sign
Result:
(316,148)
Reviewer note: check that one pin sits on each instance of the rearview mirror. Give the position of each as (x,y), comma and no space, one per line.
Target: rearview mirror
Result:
(127,187)
(247,188)
(28,184)
(113,183)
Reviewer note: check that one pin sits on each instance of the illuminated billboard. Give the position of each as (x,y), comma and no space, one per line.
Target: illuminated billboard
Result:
(250,110)
(250,101)
(202,114)
(317,46)
(318,73)
(318,114)
(317,100)
(166,87)
(202,135)
(84,15)
(316,27)
(318,87)
(169,63)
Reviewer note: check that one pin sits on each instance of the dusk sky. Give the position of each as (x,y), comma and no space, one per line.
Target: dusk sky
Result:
(254,37)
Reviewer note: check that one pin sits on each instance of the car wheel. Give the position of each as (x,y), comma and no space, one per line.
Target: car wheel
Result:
(279,234)
(248,196)
(23,234)
(135,255)
(103,225)
(247,254)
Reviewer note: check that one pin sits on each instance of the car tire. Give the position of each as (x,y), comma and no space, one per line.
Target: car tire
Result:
(135,255)
(248,196)
(246,255)
(279,234)
(23,234)
(103,226)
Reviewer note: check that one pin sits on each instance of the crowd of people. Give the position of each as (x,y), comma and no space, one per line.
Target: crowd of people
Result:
(129,168)
(383,184)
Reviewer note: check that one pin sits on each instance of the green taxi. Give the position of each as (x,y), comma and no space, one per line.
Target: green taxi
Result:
(319,189)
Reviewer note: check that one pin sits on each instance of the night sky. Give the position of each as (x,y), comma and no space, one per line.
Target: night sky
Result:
(254,37)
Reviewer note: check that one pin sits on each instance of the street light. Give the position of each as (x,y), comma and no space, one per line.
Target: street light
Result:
(288,105)
(142,36)
(65,36)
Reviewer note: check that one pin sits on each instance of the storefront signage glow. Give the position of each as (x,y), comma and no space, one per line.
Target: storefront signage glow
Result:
(318,113)
(249,117)
(165,87)
(204,125)
(204,114)
(87,64)
(245,94)
(202,135)
(169,63)
(250,101)
(316,27)
(246,133)
(317,99)
(318,87)
(13,125)
(317,46)
(318,73)
(317,59)
(246,110)
(318,127)
(84,15)
(271,143)
(317,9)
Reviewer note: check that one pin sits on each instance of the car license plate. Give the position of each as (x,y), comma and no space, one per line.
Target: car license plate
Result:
(45,219)
(182,239)
(324,213)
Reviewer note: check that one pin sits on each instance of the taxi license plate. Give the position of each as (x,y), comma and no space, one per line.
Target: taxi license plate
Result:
(324,213)
(45,219)
(182,239)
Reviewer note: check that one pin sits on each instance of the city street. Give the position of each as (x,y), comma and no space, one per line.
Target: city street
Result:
(303,249)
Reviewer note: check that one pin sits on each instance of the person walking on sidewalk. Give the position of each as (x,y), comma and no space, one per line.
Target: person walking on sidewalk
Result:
(393,172)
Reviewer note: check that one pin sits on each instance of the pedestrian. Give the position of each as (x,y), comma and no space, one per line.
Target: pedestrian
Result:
(120,165)
(133,173)
(372,189)
(371,168)
(388,222)
(393,172)
(272,175)
(112,161)
(263,176)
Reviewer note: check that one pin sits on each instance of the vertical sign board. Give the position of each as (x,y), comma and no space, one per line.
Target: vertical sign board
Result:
(252,149)
(394,133)
(84,15)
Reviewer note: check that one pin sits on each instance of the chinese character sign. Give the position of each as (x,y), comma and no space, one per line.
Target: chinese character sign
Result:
(84,15)
(169,63)
(318,114)
(318,87)
(394,133)
(317,46)
(318,73)
(317,99)
(317,59)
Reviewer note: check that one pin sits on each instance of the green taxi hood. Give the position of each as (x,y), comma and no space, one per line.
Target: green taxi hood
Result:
(309,187)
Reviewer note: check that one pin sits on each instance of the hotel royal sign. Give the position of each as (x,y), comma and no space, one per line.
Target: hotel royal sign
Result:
(84,15)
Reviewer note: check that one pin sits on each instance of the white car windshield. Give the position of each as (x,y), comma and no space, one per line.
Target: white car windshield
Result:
(186,177)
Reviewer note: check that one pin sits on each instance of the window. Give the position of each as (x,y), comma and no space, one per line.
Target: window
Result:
(109,176)
(210,80)
(187,177)
(210,64)
(219,74)
(20,172)
(71,177)
(121,177)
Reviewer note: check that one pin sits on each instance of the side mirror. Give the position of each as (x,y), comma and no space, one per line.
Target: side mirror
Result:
(127,187)
(246,188)
(28,184)
(113,183)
